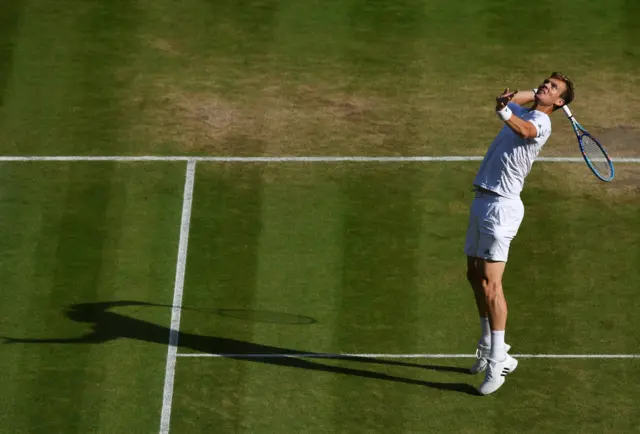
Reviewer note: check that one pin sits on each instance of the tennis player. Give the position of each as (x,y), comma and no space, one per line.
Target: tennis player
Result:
(497,211)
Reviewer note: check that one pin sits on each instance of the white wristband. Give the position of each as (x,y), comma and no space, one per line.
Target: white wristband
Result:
(505,113)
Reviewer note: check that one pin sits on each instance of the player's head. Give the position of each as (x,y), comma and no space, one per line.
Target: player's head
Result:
(556,91)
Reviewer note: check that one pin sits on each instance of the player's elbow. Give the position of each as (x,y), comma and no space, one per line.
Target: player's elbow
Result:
(528,132)
(528,135)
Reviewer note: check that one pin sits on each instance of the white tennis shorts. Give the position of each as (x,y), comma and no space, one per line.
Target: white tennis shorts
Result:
(493,222)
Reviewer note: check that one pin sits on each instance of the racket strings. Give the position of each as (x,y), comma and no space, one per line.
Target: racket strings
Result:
(596,156)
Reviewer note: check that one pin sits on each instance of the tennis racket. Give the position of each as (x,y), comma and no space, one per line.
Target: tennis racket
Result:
(593,152)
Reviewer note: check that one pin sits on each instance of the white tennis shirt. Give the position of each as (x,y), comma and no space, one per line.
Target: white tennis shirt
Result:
(509,158)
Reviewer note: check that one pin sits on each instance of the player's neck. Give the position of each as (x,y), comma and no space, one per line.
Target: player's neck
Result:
(542,108)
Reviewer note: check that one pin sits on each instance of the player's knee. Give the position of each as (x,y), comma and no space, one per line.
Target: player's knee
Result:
(492,288)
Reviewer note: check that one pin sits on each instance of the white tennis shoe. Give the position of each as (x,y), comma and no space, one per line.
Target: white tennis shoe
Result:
(482,358)
(496,371)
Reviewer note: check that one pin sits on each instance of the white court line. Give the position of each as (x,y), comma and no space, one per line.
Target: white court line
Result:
(167,394)
(407,356)
(291,159)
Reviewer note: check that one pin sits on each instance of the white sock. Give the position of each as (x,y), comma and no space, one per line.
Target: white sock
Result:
(497,345)
(485,329)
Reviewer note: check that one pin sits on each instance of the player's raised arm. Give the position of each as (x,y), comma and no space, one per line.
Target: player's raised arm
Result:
(523,97)
(524,129)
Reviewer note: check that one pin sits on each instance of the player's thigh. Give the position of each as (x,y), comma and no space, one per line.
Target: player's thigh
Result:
(492,271)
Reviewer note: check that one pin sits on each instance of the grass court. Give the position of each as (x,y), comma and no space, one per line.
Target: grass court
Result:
(313,296)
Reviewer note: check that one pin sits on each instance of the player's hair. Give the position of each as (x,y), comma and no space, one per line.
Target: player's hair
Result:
(567,95)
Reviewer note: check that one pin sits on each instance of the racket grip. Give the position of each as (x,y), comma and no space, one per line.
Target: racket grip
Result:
(567,111)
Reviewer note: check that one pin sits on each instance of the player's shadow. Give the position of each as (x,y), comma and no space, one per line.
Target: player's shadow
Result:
(108,325)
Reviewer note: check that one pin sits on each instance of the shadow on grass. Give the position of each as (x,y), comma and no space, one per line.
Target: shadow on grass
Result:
(109,326)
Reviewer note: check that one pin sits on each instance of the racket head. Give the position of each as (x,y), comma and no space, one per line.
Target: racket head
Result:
(595,155)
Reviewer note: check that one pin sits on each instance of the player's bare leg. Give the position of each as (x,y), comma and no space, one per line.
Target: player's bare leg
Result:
(495,302)
(475,277)
(500,363)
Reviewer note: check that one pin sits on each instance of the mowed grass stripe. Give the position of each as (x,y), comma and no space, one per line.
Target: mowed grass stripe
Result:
(220,285)
(77,268)
(377,302)
(380,256)
(9,28)
(300,258)
(223,258)
(68,86)
(299,275)
(28,206)
(93,242)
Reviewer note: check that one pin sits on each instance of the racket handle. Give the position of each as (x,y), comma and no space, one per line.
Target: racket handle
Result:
(567,111)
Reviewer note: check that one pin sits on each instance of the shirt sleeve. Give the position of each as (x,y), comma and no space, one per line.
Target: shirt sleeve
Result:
(542,123)
(516,109)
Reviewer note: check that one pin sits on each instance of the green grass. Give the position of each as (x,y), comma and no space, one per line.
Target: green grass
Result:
(285,258)
(289,258)
(554,396)
(377,264)
(83,234)
(263,77)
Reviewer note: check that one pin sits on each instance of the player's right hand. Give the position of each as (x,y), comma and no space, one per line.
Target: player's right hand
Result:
(503,100)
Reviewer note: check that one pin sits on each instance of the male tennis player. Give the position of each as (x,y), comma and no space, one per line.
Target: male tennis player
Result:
(497,211)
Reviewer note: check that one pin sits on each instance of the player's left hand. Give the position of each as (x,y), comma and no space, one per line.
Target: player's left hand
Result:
(503,100)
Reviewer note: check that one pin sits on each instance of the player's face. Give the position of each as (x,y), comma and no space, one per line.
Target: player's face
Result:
(549,92)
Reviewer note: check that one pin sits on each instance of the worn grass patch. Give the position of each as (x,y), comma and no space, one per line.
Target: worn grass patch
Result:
(305,120)
(283,117)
